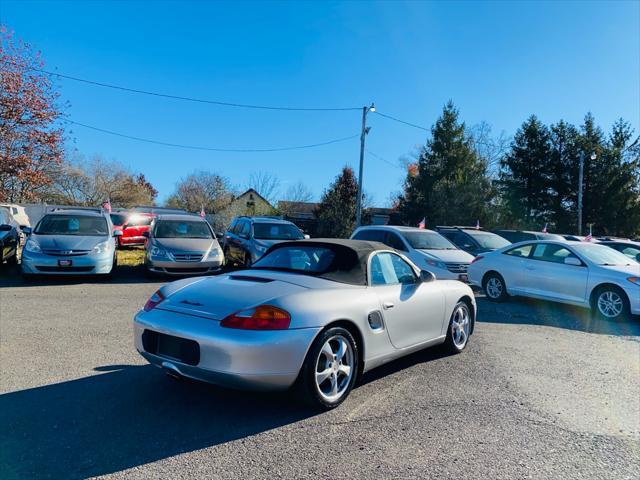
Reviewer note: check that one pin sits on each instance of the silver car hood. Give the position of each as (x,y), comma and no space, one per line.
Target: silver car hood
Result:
(68,242)
(448,256)
(218,297)
(185,244)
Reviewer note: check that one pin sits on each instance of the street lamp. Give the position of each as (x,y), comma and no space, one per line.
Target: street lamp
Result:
(580,181)
(363,134)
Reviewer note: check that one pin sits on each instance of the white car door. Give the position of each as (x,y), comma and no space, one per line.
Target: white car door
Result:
(548,276)
(511,265)
(413,311)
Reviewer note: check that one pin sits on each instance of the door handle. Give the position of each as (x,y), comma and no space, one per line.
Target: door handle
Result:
(387,305)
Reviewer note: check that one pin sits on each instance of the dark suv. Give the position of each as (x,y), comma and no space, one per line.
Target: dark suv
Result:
(473,240)
(248,238)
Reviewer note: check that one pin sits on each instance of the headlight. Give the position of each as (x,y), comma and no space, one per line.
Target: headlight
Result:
(158,252)
(32,246)
(635,280)
(436,263)
(214,252)
(103,247)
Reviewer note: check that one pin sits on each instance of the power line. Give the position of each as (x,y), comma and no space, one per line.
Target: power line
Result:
(375,155)
(401,121)
(193,99)
(212,149)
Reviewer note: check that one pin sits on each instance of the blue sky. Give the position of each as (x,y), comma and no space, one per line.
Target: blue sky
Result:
(498,61)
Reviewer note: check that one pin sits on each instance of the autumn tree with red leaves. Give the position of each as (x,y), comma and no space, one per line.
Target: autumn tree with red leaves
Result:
(31,140)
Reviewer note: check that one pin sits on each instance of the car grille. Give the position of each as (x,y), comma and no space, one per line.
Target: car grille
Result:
(457,267)
(64,269)
(187,257)
(65,253)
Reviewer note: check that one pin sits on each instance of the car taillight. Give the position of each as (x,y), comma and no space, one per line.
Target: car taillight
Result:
(264,317)
(479,257)
(153,302)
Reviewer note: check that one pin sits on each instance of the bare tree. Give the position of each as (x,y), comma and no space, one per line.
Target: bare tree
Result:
(202,189)
(266,184)
(488,147)
(298,193)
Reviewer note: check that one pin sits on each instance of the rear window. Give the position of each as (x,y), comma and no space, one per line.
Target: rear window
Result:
(276,231)
(428,241)
(118,218)
(182,229)
(310,259)
(72,225)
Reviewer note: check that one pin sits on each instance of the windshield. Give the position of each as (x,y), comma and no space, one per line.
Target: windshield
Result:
(428,241)
(601,255)
(182,229)
(488,240)
(276,231)
(309,259)
(118,218)
(72,225)
(550,236)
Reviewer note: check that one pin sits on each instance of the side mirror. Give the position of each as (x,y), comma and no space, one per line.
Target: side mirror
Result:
(5,228)
(117,233)
(426,276)
(573,261)
(146,234)
(26,230)
(307,237)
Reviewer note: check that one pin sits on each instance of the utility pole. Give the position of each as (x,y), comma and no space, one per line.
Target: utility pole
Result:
(363,134)
(580,178)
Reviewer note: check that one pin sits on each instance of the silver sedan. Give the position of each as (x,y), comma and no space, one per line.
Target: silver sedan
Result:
(310,314)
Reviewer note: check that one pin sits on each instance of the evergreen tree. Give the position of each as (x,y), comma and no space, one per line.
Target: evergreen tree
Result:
(449,183)
(526,175)
(336,213)
(563,176)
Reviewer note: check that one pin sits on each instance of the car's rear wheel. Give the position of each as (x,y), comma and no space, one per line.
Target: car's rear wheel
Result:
(330,369)
(494,287)
(459,328)
(610,303)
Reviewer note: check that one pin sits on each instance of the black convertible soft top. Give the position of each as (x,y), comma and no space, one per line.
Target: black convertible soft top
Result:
(350,262)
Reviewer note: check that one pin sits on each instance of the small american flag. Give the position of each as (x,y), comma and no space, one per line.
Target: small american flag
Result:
(107,205)
(423,224)
(478,225)
(202,214)
(589,237)
(544,229)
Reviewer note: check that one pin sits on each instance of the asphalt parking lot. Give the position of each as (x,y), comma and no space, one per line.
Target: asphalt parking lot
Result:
(543,391)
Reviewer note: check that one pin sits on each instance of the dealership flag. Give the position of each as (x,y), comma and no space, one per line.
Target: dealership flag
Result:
(202,214)
(544,230)
(589,237)
(423,223)
(107,205)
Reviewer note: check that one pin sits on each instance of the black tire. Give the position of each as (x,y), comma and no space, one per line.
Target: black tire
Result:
(453,343)
(490,283)
(306,386)
(610,294)
(12,261)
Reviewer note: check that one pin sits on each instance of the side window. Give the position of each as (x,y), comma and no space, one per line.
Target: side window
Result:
(243,229)
(14,210)
(370,235)
(394,241)
(522,251)
(462,240)
(232,226)
(548,252)
(390,269)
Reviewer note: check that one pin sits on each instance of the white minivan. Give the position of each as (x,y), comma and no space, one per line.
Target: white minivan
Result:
(427,249)
(19,214)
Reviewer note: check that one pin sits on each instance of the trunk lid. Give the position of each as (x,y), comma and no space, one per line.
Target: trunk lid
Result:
(217,297)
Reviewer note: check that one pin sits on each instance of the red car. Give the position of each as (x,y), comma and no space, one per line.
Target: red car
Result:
(133,225)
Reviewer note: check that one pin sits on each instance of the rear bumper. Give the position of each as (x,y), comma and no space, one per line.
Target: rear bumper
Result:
(131,240)
(260,360)
(37,263)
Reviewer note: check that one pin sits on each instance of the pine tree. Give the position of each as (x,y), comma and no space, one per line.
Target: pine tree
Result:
(336,213)
(449,182)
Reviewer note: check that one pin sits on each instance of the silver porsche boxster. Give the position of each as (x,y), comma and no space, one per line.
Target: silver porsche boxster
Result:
(310,314)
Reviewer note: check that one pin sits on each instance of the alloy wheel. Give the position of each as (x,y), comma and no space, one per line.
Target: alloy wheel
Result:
(334,368)
(610,304)
(460,326)
(494,287)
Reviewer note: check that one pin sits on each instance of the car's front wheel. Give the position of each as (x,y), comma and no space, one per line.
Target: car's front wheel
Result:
(330,369)
(459,328)
(610,303)
(494,287)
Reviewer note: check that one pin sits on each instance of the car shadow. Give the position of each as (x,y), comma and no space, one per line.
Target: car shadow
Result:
(521,310)
(125,416)
(11,276)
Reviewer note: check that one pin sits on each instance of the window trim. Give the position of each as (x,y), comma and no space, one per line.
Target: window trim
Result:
(530,257)
(506,252)
(416,272)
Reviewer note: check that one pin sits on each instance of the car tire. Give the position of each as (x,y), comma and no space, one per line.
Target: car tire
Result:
(325,392)
(459,330)
(12,261)
(495,287)
(610,303)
